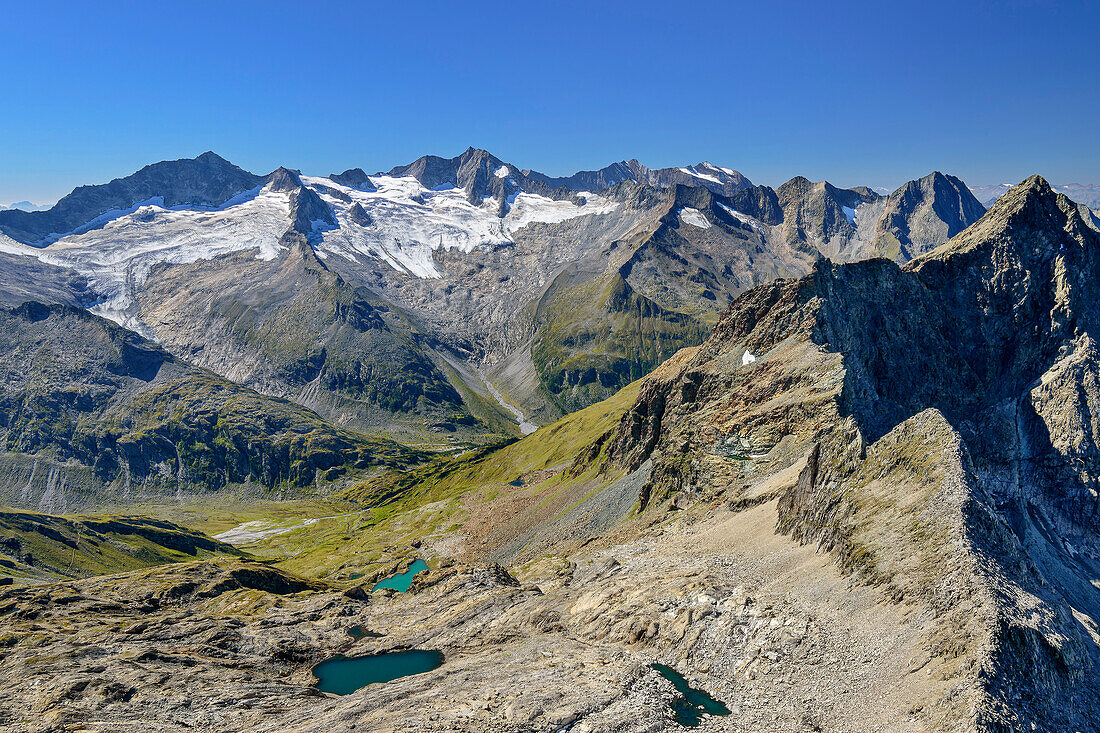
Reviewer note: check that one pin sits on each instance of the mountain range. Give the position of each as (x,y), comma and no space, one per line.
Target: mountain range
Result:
(437,301)
(1083,193)
(24,205)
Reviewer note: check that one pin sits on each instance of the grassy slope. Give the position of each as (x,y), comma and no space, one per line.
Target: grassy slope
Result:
(431,504)
(76,388)
(37,546)
(600,335)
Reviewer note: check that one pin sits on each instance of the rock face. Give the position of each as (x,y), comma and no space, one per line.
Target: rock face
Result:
(91,412)
(592,180)
(816,215)
(354,178)
(853,224)
(477,172)
(720,180)
(923,214)
(942,414)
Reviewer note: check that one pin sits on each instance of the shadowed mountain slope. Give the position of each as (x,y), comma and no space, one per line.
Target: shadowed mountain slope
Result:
(91,413)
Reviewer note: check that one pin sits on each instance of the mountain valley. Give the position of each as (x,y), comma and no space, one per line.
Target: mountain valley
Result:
(826,454)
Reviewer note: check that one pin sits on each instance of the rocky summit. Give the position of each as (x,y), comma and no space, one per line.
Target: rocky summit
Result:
(632,449)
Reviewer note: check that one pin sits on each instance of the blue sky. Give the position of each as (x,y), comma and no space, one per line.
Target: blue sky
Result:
(856,93)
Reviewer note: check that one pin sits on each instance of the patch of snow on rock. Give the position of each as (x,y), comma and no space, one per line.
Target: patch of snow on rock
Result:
(694,217)
(703,176)
(502,172)
(747,358)
(742,217)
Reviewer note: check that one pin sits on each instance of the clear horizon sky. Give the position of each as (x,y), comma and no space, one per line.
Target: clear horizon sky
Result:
(855,93)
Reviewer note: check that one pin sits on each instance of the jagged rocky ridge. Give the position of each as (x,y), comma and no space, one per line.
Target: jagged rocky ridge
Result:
(941,413)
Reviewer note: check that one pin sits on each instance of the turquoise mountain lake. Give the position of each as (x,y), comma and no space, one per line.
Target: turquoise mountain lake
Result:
(690,705)
(344,675)
(402,581)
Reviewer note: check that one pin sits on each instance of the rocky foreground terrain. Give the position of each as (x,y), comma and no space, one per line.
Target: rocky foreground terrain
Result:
(867,502)
(772,630)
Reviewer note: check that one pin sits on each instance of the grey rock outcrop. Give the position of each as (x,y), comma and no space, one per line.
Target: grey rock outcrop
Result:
(719,180)
(923,214)
(354,178)
(479,173)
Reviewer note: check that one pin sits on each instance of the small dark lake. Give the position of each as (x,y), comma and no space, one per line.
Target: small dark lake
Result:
(402,581)
(690,705)
(344,675)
